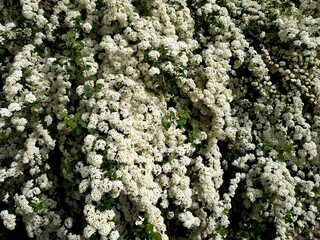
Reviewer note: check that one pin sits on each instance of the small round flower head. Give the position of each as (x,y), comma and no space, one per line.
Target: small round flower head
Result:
(86,27)
(9,220)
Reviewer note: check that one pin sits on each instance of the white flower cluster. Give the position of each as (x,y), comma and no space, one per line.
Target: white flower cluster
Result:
(9,220)
(189,220)
(98,221)
(31,11)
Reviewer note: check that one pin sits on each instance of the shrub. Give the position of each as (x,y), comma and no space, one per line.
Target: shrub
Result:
(159,119)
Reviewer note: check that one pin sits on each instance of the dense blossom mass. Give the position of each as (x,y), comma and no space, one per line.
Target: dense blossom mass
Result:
(160,119)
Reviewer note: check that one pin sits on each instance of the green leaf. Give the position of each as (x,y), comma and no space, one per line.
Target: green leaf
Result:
(185,113)
(80,44)
(67,184)
(67,52)
(89,94)
(78,62)
(85,55)
(263,227)
(181,122)
(78,73)
(87,88)
(77,116)
(91,130)
(171,114)
(94,237)
(86,68)
(37,207)
(111,175)
(265,148)
(156,236)
(63,114)
(166,125)
(182,68)
(281,157)
(107,202)
(149,227)
(92,77)
(72,124)
(70,35)
(68,166)
(83,123)
(69,72)
(193,135)
(62,45)
(170,59)
(105,152)
(76,55)
(78,131)
(316,190)
(99,86)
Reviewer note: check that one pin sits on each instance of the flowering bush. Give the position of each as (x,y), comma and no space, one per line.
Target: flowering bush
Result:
(160,119)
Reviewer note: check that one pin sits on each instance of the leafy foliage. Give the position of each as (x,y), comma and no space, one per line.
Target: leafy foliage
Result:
(77,124)
(106,202)
(146,231)
(167,120)
(184,121)
(73,50)
(166,81)
(11,185)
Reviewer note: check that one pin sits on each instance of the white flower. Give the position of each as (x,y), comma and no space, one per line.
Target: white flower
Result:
(27,12)
(44,182)
(68,222)
(313,208)
(153,71)
(9,220)
(94,159)
(30,98)
(73,236)
(189,220)
(106,228)
(41,21)
(23,204)
(96,194)
(224,221)
(48,119)
(311,148)
(4,112)
(19,121)
(14,107)
(88,143)
(236,44)
(154,54)
(88,231)
(93,120)
(114,235)
(83,186)
(144,45)
(140,221)
(100,144)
